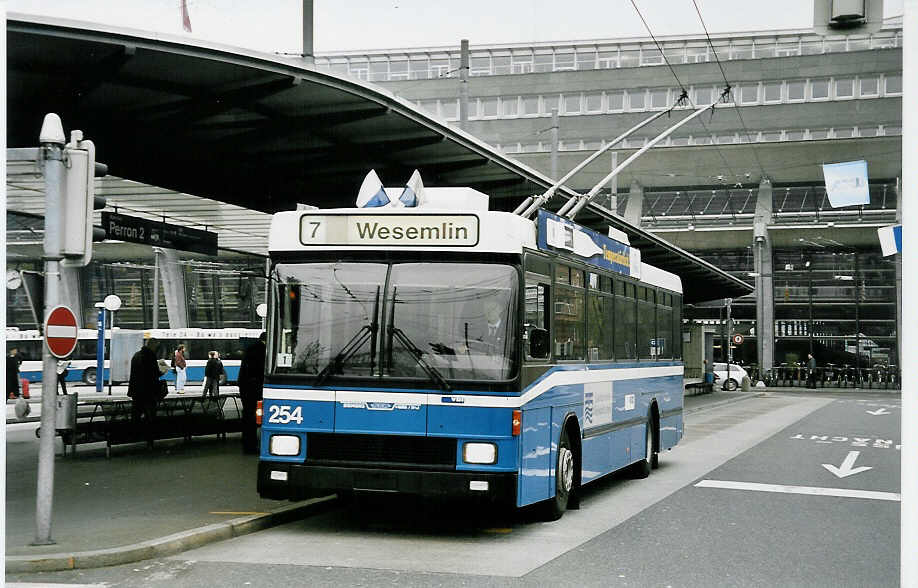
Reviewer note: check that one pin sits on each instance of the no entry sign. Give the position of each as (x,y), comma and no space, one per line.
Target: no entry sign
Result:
(61,332)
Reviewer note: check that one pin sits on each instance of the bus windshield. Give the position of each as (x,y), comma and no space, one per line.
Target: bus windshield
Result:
(433,321)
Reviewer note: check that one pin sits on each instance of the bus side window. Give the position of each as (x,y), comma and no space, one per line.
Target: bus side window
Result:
(536,322)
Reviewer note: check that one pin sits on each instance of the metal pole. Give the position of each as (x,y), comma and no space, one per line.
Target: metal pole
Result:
(308,55)
(52,143)
(155,289)
(111,336)
(555,123)
(100,348)
(729,336)
(463,83)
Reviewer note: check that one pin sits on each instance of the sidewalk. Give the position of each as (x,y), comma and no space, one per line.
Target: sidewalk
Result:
(137,505)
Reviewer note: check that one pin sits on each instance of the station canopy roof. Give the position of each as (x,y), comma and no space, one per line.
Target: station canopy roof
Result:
(197,126)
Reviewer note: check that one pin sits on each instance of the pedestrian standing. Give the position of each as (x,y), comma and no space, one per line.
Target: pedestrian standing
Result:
(12,373)
(180,376)
(810,371)
(63,368)
(213,373)
(145,389)
(251,379)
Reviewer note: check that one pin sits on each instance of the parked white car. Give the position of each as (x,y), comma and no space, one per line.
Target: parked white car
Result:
(732,382)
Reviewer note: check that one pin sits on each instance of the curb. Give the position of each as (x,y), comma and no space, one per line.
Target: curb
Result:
(746,396)
(164,546)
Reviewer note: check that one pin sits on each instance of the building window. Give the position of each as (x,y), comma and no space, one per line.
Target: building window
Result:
(819,89)
(819,134)
(868,131)
(796,90)
(572,104)
(586,59)
(893,85)
(630,58)
(870,86)
(703,96)
(449,109)
(543,62)
(616,101)
(593,102)
(651,56)
(696,54)
(659,98)
(549,103)
(488,107)
(522,62)
(772,91)
(480,66)
(509,106)
(501,65)
(379,71)
(725,139)
(398,70)
(530,105)
(636,99)
(890,130)
(701,140)
(607,60)
(771,136)
(844,88)
(429,105)
(794,135)
(564,61)
(749,93)
(420,68)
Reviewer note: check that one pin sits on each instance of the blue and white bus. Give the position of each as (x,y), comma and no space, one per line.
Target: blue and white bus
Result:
(450,350)
(229,342)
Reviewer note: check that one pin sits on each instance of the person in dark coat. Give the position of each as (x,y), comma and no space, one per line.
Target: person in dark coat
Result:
(12,373)
(251,379)
(212,374)
(143,388)
(810,371)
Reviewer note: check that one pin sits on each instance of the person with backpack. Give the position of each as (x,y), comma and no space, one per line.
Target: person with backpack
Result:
(213,373)
(178,362)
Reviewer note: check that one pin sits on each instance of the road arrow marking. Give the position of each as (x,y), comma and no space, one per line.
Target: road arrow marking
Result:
(878,412)
(847,468)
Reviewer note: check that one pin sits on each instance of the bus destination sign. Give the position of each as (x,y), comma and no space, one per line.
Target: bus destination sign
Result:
(417,230)
(159,234)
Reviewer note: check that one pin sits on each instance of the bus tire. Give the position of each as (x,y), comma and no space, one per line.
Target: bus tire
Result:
(564,479)
(641,469)
(89,376)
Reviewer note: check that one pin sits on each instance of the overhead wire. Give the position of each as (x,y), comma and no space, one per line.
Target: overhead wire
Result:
(685,94)
(739,115)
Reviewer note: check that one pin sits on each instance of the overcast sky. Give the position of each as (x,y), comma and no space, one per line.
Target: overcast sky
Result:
(275,25)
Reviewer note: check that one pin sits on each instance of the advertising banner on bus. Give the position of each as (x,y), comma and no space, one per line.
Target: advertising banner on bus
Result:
(560,234)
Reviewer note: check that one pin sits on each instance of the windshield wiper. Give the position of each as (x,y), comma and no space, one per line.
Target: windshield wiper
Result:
(432,372)
(353,345)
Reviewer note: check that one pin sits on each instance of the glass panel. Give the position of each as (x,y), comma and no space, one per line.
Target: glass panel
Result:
(749,93)
(459,316)
(819,88)
(489,107)
(645,328)
(651,56)
(501,65)
(420,68)
(636,99)
(893,84)
(449,109)
(536,310)
(625,322)
(324,307)
(530,105)
(630,58)
(549,103)
(562,274)
(577,278)
(703,96)
(586,60)
(572,103)
(844,88)
(869,86)
(664,344)
(593,102)
(599,327)
(772,91)
(796,90)
(509,106)
(568,323)
(379,71)
(677,327)
(543,62)
(819,133)
(564,61)
(616,100)
(659,98)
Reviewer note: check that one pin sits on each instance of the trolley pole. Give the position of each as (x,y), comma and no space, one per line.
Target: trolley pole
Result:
(52,157)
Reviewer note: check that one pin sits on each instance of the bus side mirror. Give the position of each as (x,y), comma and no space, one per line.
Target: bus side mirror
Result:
(538,343)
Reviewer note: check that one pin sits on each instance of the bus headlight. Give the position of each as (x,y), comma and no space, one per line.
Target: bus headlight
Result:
(285,445)
(485,453)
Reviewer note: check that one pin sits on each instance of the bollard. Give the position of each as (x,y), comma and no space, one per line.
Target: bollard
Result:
(747,384)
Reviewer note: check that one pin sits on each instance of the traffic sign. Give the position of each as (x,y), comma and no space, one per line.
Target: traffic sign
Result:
(737,339)
(61,331)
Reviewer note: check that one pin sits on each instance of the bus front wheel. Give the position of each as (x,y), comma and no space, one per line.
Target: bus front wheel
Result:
(642,468)
(564,479)
(89,376)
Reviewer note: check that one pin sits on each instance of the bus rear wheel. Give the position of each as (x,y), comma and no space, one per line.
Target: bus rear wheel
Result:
(564,479)
(642,468)
(89,376)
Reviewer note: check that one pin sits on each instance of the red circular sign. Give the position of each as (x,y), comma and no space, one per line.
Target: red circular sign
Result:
(61,331)
(737,339)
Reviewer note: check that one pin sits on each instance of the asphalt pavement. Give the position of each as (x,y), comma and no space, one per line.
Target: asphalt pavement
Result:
(144,503)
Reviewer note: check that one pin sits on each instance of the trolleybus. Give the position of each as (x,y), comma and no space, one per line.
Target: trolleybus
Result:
(451,350)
